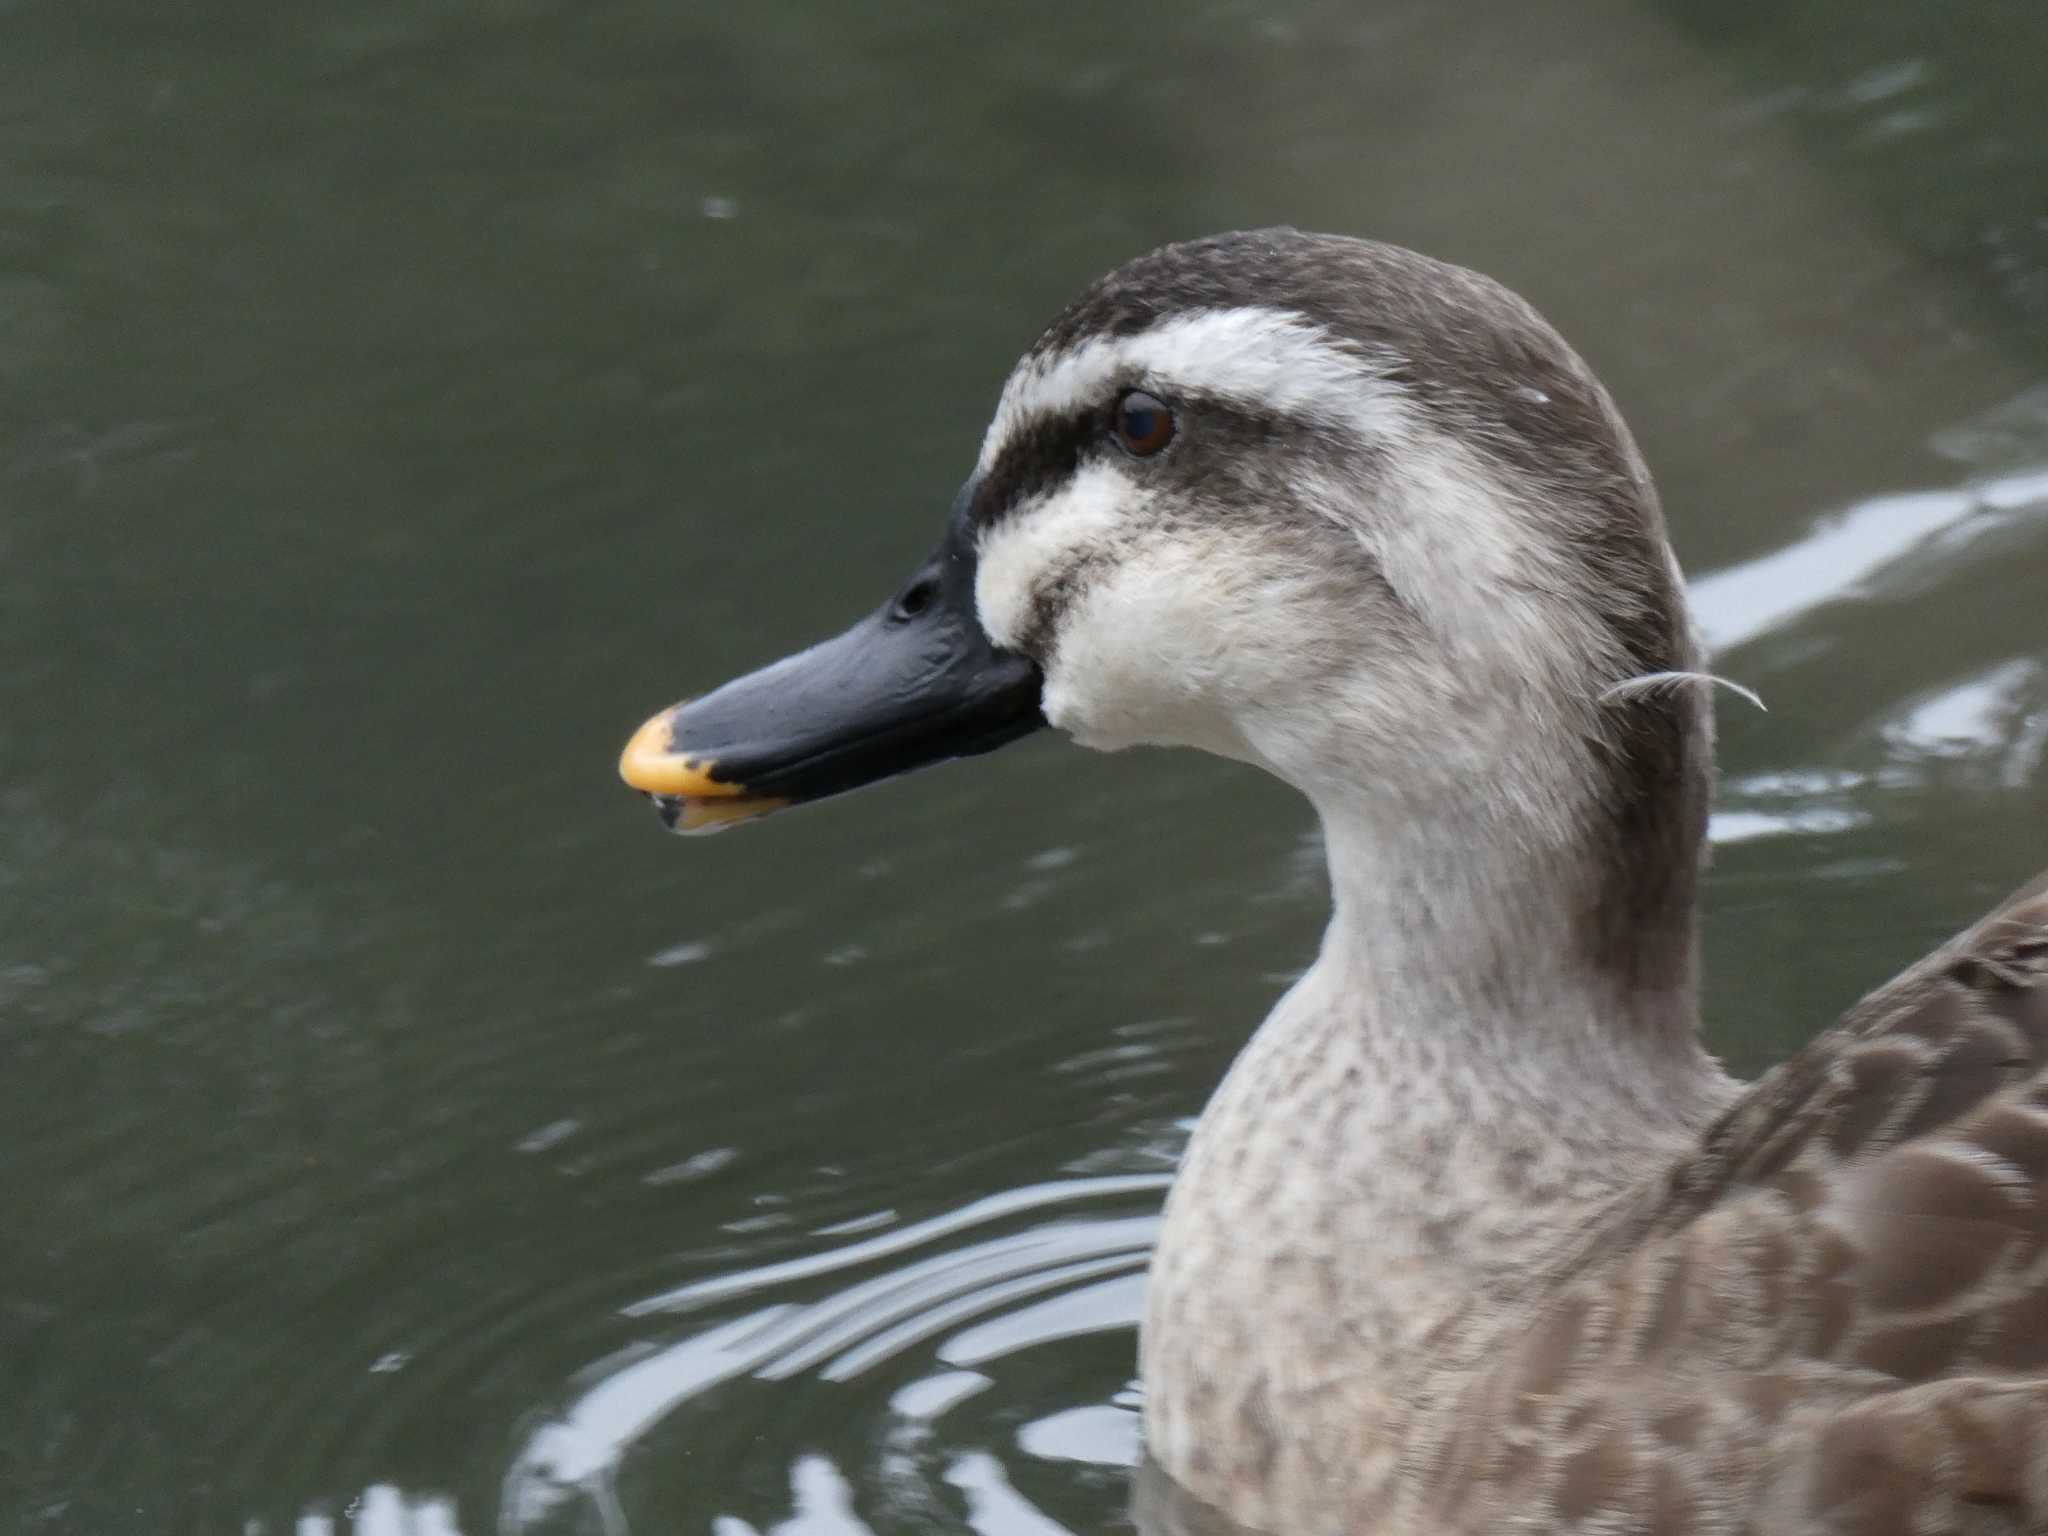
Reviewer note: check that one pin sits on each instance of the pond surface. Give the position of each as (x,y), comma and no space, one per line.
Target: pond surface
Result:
(401,398)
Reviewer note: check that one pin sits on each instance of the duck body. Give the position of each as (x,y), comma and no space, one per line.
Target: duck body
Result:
(1474,1236)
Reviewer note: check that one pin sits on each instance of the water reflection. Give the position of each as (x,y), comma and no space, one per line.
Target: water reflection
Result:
(1916,537)
(1994,723)
(976,1299)
(382,1510)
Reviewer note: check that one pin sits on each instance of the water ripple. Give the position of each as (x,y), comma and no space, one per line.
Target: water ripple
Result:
(985,1300)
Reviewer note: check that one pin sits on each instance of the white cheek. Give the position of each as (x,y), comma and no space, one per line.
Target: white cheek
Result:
(1142,639)
(1146,655)
(1039,537)
(1112,681)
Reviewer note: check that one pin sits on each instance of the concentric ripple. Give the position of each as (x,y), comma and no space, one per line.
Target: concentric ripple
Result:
(933,1331)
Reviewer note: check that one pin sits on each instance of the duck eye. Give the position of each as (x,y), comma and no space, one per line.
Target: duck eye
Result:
(1144,424)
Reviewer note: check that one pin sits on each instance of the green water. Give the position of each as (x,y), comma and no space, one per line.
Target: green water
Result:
(399,400)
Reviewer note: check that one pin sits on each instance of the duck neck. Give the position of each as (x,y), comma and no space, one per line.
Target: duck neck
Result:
(1446,1099)
(1501,1093)
(1486,961)
(1425,1134)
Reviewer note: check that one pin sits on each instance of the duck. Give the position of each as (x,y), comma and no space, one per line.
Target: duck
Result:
(1474,1235)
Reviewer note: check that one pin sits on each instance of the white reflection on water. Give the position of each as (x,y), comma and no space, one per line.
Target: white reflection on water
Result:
(1099,1308)
(1101,1434)
(1846,553)
(1079,1273)
(1742,826)
(1999,716)
(994,1508)
(848,1348)
(381,1510)
(1010,1202)
(580,1448)
(821,1500)
(1965,718)
(1989,729)
(930,1396)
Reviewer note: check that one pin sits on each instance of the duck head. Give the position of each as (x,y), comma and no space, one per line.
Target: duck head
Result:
(1318,504)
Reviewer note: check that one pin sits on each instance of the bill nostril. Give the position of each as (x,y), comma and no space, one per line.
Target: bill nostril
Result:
(916,598)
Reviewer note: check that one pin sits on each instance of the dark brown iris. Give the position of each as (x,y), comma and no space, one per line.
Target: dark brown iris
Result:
(1144,424)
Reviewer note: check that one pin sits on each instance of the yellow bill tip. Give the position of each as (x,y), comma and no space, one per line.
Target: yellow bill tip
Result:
(655,764)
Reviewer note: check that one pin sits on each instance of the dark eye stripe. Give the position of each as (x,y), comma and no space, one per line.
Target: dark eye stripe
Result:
(1040,452)
(1037,457)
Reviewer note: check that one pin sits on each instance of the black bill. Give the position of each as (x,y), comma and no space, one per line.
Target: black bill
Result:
(915,682)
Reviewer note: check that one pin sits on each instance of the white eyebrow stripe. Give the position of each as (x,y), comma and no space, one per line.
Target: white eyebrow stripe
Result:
(1268,359)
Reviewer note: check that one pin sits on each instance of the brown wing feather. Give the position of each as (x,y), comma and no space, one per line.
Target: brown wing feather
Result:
(1835,1316)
